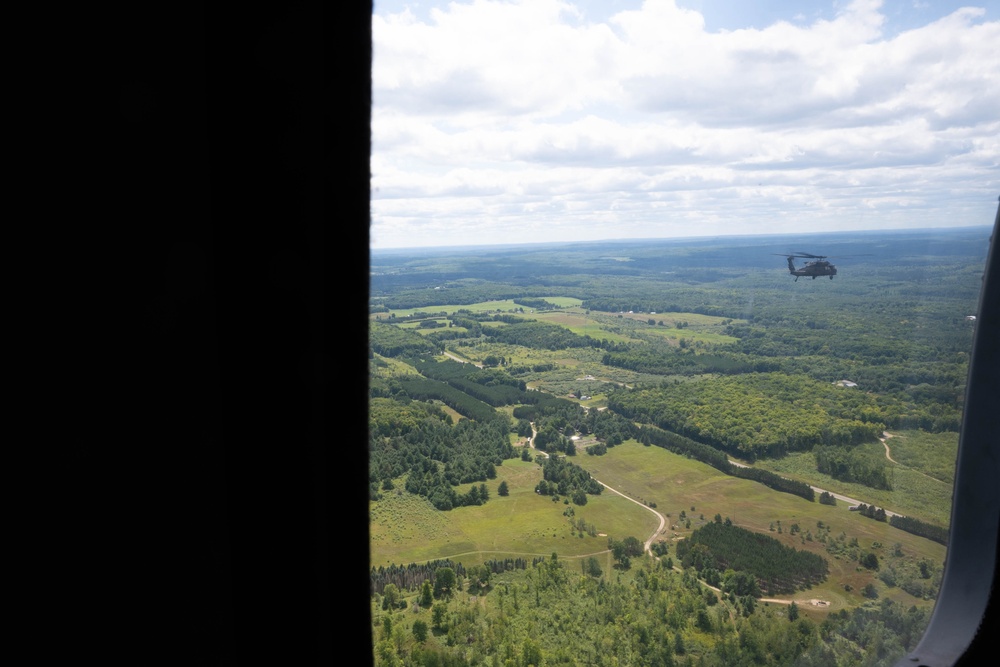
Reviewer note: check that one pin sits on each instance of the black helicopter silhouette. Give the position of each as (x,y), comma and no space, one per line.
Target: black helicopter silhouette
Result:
(817,267)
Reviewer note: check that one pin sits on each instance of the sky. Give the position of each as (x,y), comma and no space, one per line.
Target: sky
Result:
(536,121)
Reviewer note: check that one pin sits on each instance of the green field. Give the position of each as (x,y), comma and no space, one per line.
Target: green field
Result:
(892,329)
(580,324)
(406,529)
(676,483)
(933,454)
(503,305)
(914,493)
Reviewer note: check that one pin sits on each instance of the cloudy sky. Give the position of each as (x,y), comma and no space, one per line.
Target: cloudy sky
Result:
(526,121)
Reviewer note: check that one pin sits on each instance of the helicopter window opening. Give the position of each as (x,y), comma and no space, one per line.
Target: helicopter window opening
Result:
(487,166)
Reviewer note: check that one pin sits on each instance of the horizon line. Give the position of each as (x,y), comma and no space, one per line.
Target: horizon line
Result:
(637,239)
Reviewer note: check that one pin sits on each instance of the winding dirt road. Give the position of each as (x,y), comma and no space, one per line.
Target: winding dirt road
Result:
(647,545)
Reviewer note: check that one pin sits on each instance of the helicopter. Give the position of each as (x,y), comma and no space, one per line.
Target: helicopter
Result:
(817,267)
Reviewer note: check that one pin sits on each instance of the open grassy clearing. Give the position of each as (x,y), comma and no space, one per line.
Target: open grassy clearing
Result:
(580,324)
(564,301)
(670,319)
(690,334)
(415,326)
(696,328)
(405,528)
(390,367)
(933,454)
(676,484)
(913,494)
(504,305)
(571,364)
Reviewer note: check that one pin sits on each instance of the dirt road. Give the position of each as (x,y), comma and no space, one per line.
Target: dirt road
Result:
(846,499)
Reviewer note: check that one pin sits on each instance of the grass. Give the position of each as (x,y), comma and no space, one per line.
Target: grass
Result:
(394,368)
(933,454)
(505,305)
(690,334)
(406,528)
(564,301)
(580,324)
(676,483)
(914,494)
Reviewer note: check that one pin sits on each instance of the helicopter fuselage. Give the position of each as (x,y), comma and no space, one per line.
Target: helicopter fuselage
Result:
(812,269)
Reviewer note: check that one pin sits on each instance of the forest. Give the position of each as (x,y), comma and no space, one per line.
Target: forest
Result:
(777,569)
(549,613)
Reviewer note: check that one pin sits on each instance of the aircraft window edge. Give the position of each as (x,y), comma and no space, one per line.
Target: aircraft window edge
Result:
(956,627)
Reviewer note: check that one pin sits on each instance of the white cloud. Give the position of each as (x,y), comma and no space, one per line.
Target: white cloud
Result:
(524,121)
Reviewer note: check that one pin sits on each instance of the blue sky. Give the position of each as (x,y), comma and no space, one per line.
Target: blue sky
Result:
(547,120)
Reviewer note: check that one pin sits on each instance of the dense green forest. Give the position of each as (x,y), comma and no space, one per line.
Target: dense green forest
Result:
(554,613)
(705,348)
(777,569)
(757,414)
(434,455)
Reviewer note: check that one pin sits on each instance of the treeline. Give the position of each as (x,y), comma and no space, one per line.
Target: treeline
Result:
(562,478)
(684,361)
(409,577)
(458,294)
(425,479)
(537,304)
(779,569)
(639,304)
(424,389)
(491,386)
(553,614)
(757,414)
(545,336)
(678,444)
(434,455)
(872,512)
(388,417)
(909,524)
(851,465)
(918,527)
(559,418)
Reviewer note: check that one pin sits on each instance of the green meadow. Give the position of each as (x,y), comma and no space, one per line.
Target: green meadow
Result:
(933,454)
(675,484)
(407,529)
(914,493)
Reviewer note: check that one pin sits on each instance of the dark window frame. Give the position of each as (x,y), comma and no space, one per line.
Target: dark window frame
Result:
(963,624)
